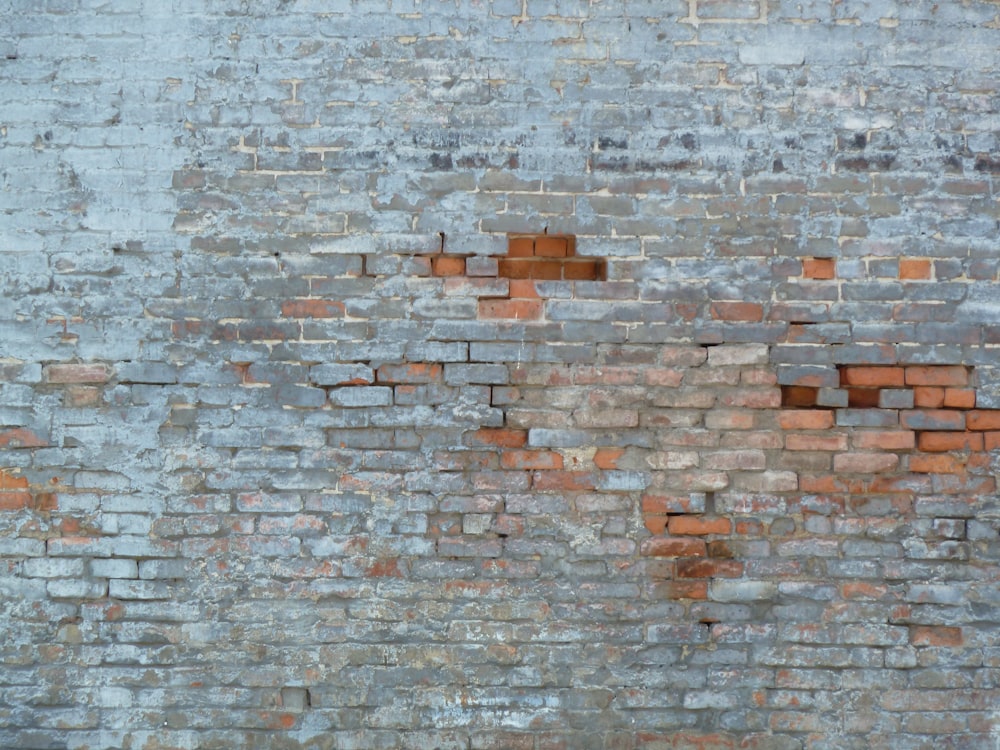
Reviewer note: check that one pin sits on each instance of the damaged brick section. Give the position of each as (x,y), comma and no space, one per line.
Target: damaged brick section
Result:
(530,259)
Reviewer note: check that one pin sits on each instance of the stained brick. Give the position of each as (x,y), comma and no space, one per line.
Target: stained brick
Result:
(982,419)
(950,441)
(933,419)
(950,376)
(673,547)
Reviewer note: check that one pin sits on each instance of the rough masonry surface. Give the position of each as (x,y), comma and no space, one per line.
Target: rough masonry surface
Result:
(525,374)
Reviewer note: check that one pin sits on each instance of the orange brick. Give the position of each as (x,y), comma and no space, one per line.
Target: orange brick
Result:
(14,493)
(746,311)
(9,481)
(888,440)
(10,500)
(938,464)
(529,460)
(946,375)
(928,397)
(523,289)
(983,419)
(656,524)
(530,268)
(937,442)
(960,398)
(872,377)
(500,437)
(444,265)
(936,635)
(673,547)
(991,441)
(520,247)
(515,309)
(806,419)
(312,308)
(607,458)
(698,525)
(551,247)
(21,437)
(914,268)
(816,442)
(819,268)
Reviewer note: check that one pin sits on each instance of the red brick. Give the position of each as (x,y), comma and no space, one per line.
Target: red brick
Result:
(523,289)
(936,464)
(872,377)
(960,398)
(312,308)
(583,270)
(936,635)
(551,247)
(991,441)
(806,419)
(656,524)
(862,590)
(667,504)
(563,480)
(928,397)
(446,265)
(499,436)
(819,268)
(946,375)
(528,460)
(530,268)
(816,442)
(745,311)
(864,463)
(887,440)
(520,247)
(78,373)
(607,458)
(983,419)
(698,525)
(950,441)
(798,396)
(14,493)
(21,438)
(513,309)
(673,547)
(863,398)
(914,268)
(699,567)
(414,372)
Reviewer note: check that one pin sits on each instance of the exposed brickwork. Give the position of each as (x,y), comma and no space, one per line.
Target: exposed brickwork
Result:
(508,374)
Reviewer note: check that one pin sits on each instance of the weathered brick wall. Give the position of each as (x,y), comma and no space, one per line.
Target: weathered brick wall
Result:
(500,374)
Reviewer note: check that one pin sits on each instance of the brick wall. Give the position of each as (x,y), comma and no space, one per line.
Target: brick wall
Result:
(501,374)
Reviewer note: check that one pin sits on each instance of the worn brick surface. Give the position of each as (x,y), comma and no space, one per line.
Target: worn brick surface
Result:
(500,374)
